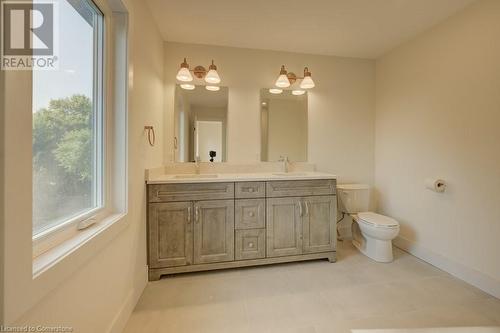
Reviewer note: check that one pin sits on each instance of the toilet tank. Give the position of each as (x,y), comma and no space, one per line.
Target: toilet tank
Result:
(354,198)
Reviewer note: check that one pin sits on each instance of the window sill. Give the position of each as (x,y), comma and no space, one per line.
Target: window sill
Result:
(82,245)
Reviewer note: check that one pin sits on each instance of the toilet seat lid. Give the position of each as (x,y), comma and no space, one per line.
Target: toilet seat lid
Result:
(377,220)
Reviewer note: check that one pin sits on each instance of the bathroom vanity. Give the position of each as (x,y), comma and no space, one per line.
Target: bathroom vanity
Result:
(206,222)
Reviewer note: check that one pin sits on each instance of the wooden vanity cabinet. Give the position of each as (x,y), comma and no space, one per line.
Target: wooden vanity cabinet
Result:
(170,234)
(205,226)
(319,227)
(284,227)
(301,225)
(213,231)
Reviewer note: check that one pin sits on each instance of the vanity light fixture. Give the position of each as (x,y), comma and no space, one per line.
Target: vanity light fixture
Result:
(286,79)
(184,75)
(275,91)
(307,81)
(212,88)
(188,86)
(298,92)
(211,76)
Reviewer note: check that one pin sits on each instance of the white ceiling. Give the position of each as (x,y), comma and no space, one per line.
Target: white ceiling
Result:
(353,28)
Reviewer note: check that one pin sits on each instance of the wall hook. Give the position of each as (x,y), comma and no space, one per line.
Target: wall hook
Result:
(151,135)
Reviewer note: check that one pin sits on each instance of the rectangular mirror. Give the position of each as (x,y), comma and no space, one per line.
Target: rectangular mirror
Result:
(283,126)
(200,118)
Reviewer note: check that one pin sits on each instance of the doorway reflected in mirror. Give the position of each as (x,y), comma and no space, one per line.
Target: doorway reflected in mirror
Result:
(200,122)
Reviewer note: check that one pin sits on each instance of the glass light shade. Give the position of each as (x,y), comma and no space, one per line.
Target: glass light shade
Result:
(298,92)
(187,86)
(282,81)
(184,75)
(275,91)
(212,76)
(307,83)
(212,88)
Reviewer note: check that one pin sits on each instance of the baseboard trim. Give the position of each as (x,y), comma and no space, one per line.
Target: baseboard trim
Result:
(121,318)
(480,280)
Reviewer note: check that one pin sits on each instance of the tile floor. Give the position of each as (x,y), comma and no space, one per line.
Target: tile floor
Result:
(313,297)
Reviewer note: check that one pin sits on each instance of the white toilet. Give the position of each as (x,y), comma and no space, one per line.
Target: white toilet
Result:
(372,233)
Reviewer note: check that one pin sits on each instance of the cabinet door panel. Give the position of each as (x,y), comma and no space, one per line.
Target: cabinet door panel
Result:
(284,227)
(298,188)
(190,192)
(170,234)
(214,231)
(319,224)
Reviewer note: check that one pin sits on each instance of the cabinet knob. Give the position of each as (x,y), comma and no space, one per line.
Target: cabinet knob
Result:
(250,244)
(251,214)
(250,189)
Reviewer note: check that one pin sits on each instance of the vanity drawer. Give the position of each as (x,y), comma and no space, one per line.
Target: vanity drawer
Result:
(297,188)
(190,192)
(250,244)
(250,190)
(250,213)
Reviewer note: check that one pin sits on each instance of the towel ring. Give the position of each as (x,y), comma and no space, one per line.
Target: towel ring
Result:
(151,135)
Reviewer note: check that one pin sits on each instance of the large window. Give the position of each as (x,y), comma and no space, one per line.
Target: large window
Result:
(68,147)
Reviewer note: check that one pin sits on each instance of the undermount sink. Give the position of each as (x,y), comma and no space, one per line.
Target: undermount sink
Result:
(196,176)
(290,174)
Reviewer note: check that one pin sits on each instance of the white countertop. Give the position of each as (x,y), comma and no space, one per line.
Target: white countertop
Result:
(237,177)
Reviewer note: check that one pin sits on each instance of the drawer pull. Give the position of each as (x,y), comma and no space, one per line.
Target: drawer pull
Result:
(251,189)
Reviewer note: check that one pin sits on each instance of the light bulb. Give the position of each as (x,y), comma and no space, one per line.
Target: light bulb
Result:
(212,88)
(282,81)
(298,92)
(307,83)
(275,91)
(187,86)
(184,75)
(212,77)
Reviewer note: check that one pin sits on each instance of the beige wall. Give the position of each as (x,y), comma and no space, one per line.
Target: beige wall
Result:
(99,295)
(437,115)
(341,107)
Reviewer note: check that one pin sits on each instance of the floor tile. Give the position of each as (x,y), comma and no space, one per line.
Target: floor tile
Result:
(313,297)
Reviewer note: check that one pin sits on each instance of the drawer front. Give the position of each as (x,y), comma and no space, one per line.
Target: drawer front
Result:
(297,188)
(250,213)
(250,244)
(250,190)
(190,192)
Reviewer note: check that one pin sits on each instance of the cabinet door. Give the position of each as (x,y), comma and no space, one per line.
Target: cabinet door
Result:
(170,234)
(284,227)
(319,224)
(213,231)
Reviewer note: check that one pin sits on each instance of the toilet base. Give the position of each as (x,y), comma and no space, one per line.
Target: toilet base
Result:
(378,250)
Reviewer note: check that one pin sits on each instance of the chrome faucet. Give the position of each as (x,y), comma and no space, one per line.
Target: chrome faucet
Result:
(285,161)
(197,164)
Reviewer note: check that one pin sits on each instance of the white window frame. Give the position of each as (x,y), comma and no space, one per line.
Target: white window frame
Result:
(53,236)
